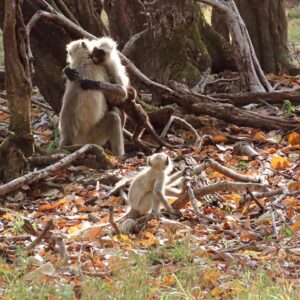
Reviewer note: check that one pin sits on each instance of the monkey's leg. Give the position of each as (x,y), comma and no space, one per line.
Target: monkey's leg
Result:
(109,128)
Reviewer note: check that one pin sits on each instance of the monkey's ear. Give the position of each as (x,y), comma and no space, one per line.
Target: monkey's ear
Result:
(83,45)
(149,162)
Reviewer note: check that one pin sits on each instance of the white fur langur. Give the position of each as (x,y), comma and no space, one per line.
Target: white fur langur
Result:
(147,190)
(84,117)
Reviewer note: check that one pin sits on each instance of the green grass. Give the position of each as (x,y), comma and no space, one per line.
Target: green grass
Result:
(294,25)
(164,272)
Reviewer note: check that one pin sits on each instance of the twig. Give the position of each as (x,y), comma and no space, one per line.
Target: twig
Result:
(226,231)
(262,209)
(185,123)
(41,174)
(223,80)
(112,222)
(200,86)
(274,222)
(43,105)
(204,137)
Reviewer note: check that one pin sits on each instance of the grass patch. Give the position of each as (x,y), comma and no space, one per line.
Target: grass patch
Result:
(164,272)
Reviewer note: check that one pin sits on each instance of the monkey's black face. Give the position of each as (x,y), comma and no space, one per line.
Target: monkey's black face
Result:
(98,56)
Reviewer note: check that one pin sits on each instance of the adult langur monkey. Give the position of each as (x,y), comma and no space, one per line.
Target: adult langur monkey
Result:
(128,108)
(84,117)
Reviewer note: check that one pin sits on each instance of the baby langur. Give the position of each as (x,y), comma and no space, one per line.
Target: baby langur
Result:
(147,190)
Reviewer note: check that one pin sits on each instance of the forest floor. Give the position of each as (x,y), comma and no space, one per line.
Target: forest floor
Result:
(246,254)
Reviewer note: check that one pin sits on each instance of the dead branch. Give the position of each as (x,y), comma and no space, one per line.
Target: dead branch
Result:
(254,198)
(230,173)
(129,47)
(199,104)
(41,174)
(271,98)
(229,187)
(188,185)
(225,186)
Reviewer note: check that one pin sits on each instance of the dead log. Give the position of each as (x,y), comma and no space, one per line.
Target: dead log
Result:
(196,104)
(271,98)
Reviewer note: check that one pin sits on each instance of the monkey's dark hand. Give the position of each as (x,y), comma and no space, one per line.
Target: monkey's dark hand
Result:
(88,84)
(71,74)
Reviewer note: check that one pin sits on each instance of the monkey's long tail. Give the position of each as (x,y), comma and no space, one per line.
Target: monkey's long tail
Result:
(131,214)
(157,138)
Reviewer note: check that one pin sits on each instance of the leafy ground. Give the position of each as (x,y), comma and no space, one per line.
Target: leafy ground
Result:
(245,254)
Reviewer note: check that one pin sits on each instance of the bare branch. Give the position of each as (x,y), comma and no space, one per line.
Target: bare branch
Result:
(41,174)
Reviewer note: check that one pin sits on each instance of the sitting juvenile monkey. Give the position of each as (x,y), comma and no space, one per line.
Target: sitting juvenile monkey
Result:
(84,117)
(147,190)
(129,107)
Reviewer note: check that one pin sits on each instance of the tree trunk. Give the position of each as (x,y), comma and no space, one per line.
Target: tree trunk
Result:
(266,22)
(19,91)
(176,42)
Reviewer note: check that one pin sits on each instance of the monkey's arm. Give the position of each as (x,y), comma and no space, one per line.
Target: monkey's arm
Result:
(71,74)
(117,92)
(109,89)
(159,196)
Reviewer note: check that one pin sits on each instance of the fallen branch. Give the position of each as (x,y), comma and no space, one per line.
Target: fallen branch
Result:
(271,98)
(41,174)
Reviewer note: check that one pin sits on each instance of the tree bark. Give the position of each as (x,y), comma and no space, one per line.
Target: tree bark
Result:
(266,22)
(19,90)
(172,35)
